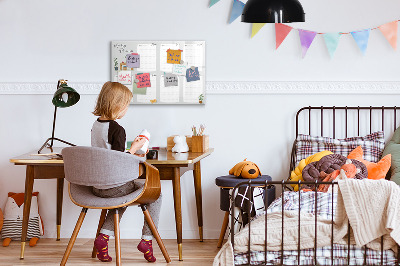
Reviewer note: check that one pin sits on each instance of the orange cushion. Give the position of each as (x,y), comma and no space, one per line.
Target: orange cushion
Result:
(375,170)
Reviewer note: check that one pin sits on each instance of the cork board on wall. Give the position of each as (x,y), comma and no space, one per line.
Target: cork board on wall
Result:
(160,72)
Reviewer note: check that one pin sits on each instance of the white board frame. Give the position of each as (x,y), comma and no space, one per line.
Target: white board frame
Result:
(119,50)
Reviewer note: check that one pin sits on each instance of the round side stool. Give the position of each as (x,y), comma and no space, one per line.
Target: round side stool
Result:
(226,183)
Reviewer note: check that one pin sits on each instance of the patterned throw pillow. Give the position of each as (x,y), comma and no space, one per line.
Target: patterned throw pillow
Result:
(372,145)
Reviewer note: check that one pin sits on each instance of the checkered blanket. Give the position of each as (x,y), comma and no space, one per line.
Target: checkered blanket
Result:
(324,257)
(324,206)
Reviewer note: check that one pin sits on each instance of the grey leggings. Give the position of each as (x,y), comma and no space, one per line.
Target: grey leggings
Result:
(154,208)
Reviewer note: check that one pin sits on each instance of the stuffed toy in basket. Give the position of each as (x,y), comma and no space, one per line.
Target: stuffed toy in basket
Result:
(13,215)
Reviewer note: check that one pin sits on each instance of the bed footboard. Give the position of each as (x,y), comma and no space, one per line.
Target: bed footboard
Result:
(383,259)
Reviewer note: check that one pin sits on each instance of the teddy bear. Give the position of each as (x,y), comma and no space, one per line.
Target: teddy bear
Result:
(180,144)
(245,169)
(13,215)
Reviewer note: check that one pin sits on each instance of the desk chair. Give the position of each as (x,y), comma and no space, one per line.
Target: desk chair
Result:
(85,167)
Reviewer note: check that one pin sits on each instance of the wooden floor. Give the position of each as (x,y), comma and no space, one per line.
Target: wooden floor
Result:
(50,252)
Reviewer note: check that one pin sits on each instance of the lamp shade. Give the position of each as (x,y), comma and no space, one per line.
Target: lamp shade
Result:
(65,96)
(273,11)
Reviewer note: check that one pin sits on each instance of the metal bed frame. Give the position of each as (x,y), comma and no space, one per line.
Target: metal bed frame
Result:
(284,183)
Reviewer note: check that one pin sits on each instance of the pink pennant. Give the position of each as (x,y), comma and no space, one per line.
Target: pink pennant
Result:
(281,31)
(306,39)
(389,30)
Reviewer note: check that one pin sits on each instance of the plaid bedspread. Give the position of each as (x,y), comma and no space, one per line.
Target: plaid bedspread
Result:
(307,202)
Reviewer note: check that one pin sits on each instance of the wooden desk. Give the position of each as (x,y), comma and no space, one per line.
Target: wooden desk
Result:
(40,167)
(171,167)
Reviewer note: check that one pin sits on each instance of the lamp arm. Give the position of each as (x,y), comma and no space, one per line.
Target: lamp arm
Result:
(54,126)
(55,115)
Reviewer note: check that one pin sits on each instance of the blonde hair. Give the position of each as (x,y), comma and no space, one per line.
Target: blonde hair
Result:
(112,99)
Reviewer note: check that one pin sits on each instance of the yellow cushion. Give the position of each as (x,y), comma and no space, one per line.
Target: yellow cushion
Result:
(296,174)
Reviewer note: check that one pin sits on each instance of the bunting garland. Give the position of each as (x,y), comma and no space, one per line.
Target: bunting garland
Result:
(389,30)
(213,2)
(237,9)
(332,41)
(306,39)
(361,37)
(256,27)
(281,31)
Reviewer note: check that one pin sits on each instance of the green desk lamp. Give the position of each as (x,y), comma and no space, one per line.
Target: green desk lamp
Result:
(65,96)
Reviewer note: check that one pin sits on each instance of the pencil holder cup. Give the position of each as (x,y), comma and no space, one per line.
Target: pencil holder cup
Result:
(200,143)
(152,155)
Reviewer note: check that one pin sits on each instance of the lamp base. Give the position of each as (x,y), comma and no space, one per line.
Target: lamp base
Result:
(50,146)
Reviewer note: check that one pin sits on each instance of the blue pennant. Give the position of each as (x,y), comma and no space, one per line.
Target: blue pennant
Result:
(237,9)
(361,38)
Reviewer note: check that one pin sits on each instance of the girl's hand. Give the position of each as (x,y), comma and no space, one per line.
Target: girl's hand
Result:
(137,144)
(142,155)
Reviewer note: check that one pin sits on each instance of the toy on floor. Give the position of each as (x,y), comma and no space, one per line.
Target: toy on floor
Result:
(245,169)
(13,215)
(180,144)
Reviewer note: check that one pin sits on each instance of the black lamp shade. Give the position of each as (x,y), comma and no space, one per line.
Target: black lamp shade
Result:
(273,11)
(65,96)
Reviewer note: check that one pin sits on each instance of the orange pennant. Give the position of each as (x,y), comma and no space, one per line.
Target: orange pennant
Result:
(389,30)
(281,31)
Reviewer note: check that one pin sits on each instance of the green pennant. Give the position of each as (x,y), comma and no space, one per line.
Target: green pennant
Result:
(213,2)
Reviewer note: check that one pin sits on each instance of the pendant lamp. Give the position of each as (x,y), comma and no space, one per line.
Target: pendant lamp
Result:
(273,11)
(64,96)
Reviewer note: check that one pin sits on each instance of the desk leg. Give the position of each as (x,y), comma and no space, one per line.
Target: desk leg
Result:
(176,182)
(60,190)
(27,206)
(197,189)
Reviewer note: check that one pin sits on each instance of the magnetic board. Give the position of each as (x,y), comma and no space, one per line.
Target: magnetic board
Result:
(160,72)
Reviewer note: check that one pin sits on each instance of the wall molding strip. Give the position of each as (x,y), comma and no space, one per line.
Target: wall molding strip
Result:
(231,87)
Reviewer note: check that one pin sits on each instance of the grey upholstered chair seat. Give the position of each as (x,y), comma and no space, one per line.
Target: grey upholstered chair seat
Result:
(85,167)
(83,196)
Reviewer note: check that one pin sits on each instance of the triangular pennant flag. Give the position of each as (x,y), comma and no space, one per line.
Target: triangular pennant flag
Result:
(332,41)
(213,2)
(306,39)
(281,31)
(361,37)
(389,30)
(237,9)
(255,28)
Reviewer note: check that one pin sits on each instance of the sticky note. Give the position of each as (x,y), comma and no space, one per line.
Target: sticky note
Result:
(136,90)
(133,60)
(170,80)
(144,80)
(174,56)
(192,75)
(179,69)
(125,77)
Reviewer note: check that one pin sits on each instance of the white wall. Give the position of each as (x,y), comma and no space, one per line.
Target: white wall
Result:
(42,41)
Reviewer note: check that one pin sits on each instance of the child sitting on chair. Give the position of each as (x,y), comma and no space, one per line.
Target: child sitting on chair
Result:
(112,103)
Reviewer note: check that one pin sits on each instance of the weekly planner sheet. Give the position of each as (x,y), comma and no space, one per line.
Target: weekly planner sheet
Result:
(160,72)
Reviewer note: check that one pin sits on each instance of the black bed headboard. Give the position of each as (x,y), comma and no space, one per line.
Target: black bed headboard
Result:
(360,112)
(344,121)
